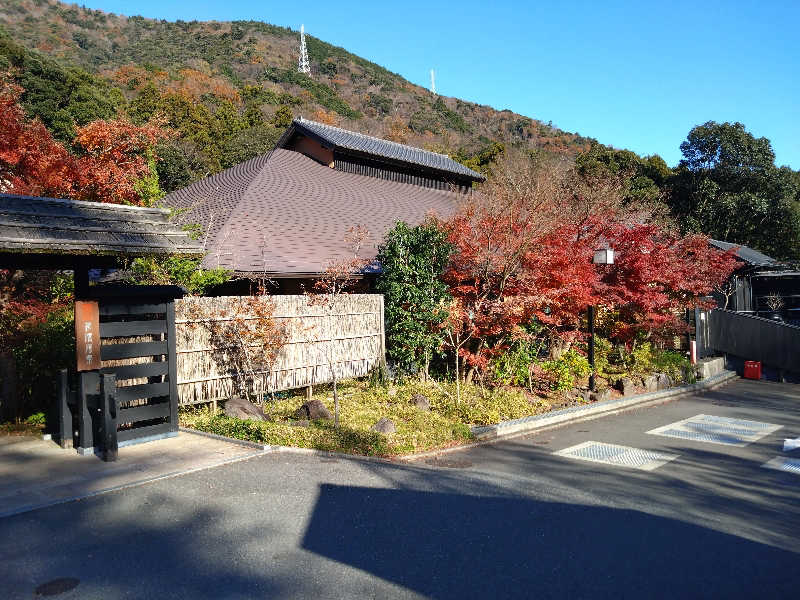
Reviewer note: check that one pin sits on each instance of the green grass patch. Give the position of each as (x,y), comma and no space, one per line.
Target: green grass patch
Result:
(446,424)
(22,428)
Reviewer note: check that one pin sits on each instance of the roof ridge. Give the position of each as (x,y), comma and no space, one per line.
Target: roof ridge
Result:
(302,120)
(202,185)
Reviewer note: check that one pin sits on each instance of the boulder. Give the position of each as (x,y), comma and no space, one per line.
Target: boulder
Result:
(600,395)
(243,409)
(384,425)
(651,383)
(663,381)
(421,402)
(312,410)
(626,386)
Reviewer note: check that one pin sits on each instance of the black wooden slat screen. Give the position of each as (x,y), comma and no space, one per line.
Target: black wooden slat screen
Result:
(133,350)
(151,369)
(145,409)
(129,328)
(753,338)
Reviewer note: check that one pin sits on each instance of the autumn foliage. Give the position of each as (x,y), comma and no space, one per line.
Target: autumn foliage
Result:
(107,161)
(523,252)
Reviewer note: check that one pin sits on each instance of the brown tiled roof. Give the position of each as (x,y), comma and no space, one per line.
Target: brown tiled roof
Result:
(287,214)
(344,140)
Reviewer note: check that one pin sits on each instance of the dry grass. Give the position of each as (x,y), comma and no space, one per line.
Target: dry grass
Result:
(446,424)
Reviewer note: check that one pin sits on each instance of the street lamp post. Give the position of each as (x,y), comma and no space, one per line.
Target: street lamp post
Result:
(602,256)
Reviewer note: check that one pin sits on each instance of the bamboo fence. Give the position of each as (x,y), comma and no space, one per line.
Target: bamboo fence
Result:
(346,334)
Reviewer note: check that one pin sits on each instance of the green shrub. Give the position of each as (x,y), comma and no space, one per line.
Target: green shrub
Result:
(412,261)
(36,419)
(512,366)
(42,350)
(564,372)
(176,270)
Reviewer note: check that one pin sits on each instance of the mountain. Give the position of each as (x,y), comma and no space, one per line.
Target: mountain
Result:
(228,88)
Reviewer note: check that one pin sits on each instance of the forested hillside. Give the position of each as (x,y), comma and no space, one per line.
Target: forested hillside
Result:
(228,86)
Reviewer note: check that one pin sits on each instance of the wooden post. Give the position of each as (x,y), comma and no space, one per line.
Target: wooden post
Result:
(81,279)
(173,367)
(64,413)
(86,379)
(108,394)
(309,392)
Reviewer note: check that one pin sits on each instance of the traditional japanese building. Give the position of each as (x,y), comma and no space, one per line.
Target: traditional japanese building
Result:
(759,282)
(286,214)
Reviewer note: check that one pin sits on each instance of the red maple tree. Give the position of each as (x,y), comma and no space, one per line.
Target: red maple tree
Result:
(111,155)
(523,251)
(31,161)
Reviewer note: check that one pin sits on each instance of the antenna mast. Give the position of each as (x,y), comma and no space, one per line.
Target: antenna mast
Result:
(433,83)
(302,64)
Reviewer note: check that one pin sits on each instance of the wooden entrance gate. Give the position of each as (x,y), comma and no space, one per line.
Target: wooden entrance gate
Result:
(132,397)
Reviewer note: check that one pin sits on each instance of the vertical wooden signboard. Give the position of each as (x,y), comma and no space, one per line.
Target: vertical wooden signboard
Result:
(87,334)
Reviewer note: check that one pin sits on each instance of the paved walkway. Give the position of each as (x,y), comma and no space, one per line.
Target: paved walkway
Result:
(36,473)
(509,520)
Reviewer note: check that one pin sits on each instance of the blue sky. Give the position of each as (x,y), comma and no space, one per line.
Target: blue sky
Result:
(636,75)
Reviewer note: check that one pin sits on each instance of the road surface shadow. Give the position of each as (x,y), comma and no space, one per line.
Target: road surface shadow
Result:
(447,545)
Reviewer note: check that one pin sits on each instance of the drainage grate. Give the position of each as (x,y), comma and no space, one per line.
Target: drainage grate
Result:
(790,465)
(622,456)
(717,430)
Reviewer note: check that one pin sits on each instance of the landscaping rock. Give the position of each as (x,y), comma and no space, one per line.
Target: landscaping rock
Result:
(421,402)
(299,423)
(240,408)
(384,425)
(663,381)
(579,394)
(651,383)
(600,395)
(626,386)
(312,410)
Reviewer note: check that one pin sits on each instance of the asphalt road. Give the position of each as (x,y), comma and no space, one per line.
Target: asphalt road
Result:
(506,520)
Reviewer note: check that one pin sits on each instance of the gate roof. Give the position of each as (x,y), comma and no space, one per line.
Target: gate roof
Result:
(54,232)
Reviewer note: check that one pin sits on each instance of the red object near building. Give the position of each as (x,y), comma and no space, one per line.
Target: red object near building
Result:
(752,369)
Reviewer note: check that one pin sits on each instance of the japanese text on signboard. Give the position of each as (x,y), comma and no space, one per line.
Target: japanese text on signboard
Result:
(87,334)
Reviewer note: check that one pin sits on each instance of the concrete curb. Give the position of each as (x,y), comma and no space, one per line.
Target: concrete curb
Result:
(526,425)
(598,409)
(267,449)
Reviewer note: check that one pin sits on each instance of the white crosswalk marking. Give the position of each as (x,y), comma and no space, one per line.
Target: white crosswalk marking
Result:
(717,430)
(621,456)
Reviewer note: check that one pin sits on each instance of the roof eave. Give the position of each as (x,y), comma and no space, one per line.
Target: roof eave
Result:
(298,126)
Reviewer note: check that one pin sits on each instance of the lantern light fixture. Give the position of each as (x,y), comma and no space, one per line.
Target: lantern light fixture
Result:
(603,256)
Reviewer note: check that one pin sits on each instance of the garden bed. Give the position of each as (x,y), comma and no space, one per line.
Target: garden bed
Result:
(448,423)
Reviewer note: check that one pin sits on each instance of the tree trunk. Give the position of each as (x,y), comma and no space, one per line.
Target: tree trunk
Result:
(470,375)
(335,401)
(458,382)
(558,346)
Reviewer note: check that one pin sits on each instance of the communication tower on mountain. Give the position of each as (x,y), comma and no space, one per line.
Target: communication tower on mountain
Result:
(433,83)
(302,64)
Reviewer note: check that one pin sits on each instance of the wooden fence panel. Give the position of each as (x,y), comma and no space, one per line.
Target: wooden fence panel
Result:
(348,334)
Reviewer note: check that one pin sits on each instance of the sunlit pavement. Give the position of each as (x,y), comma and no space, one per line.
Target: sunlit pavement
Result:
(511,519)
